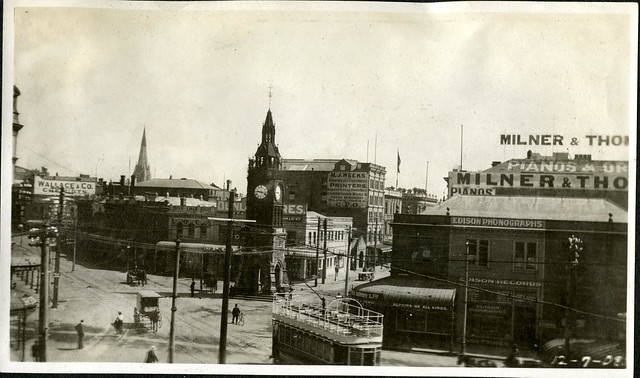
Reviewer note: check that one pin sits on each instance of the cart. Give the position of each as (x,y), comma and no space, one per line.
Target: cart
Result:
(147,312)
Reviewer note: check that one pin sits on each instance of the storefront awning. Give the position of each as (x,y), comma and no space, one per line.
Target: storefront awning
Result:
(405,292)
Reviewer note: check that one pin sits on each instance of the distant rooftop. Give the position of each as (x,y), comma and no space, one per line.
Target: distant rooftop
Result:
(182,183)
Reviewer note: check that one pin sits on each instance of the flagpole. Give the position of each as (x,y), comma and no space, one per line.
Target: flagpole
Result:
(398,168)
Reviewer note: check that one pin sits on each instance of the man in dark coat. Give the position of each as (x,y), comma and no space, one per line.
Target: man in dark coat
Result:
(193,286)
(236,313)
(80,331)
(151,356)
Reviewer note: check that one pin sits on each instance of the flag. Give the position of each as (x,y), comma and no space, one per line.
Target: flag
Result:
(399,161)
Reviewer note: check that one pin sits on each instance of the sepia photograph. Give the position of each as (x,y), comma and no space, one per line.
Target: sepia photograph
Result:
(318,188)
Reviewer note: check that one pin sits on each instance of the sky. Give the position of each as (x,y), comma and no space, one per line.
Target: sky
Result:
(350,82)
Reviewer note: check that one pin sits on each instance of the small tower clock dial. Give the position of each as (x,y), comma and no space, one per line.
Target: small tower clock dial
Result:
(260,192)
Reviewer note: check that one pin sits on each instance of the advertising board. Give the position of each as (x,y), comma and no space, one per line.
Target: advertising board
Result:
(47,187)
(348,189)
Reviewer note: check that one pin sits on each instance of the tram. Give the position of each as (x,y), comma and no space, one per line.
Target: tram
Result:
(340,334)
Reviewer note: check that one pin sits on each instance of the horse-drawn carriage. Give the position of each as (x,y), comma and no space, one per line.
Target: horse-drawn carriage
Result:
(136,276)
(147,310)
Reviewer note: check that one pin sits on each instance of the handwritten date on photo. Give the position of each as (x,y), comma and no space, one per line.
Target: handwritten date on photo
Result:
(586,361)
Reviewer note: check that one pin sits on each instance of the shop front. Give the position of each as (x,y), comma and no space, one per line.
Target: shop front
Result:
(415,309)
(502,312)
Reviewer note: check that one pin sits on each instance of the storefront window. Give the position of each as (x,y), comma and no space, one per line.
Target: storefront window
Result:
(525,256)
(411,321)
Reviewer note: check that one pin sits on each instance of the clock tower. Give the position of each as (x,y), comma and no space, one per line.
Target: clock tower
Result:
(266,271)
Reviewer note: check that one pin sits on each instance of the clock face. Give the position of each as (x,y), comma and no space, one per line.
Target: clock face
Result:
(260,191)
(278,193)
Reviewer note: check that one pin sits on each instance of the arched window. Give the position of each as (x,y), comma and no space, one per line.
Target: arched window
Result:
(179,229)
(203,230)
(310,238)
(192,230)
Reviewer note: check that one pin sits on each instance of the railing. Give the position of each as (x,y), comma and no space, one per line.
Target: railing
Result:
(340,317)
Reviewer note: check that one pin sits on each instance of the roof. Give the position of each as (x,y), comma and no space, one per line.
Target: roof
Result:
(521,207)
(174,183)
(323,165)
(175,201)
(396,290)
(149,294)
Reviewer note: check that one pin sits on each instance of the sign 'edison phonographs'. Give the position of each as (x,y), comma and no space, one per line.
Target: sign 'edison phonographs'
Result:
(47,187)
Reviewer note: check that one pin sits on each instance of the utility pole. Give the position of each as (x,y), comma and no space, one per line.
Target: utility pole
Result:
(173,302)
(348,264)
(463,344)
(575,248)
(75,239)
(41,239)
(317,254)
(222,350)
(56,274)
(324,250)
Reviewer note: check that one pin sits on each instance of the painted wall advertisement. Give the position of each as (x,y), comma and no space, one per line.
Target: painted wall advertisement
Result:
(73,188)
(294,213)
(542,174)
(348,189)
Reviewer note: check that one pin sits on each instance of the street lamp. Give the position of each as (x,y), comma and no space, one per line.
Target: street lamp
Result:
(173,302)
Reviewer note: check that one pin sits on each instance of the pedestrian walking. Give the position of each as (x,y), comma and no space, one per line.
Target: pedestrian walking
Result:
(119,322)
(215,284)
(335,278)
(35,351)
(193,287)
(151,356)
(236,313)
(80,331)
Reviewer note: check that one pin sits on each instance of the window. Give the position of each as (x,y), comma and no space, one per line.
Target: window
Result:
(203,230)
(192,230)
(179,229)
(525,256)
(479,252)
(292,196)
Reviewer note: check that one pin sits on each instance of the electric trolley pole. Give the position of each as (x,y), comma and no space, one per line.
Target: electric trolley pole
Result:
(222,350)
(172,333)
(463,344)
(317,254)
(348,264)
(42,238)
(324,250)
(56,273)
(575,248)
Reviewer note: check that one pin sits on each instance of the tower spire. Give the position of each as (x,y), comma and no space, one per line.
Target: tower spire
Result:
(270,95)
(142,171)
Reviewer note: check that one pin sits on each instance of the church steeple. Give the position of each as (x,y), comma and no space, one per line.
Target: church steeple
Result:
(142,170)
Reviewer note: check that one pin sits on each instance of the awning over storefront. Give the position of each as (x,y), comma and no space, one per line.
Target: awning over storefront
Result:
(405,292)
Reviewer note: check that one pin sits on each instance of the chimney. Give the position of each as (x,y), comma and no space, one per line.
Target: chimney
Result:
(494,163)
(133,184)
(122,181)
(228,184)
